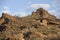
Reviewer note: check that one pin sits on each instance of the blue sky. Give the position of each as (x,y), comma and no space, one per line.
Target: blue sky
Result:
(25,7)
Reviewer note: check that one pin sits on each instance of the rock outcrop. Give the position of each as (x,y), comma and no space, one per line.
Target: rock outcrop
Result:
(41,25)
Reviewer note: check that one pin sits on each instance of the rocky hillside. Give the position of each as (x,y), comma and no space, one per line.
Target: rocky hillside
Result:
(40,25)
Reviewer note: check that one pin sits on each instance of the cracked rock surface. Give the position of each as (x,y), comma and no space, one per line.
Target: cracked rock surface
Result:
(40,25)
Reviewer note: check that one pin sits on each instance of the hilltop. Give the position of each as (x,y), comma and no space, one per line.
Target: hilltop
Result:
(40,25)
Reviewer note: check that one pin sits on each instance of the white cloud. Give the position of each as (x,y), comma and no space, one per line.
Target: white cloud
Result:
(35,6)
(6,9)
(52,11)
(20,14)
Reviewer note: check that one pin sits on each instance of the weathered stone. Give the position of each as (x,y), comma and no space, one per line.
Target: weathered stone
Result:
(40,25)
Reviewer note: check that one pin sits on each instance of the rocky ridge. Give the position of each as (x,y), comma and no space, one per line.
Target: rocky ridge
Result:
(40,25)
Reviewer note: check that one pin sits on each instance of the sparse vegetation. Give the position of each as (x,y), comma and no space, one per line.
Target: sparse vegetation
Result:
(38,26)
